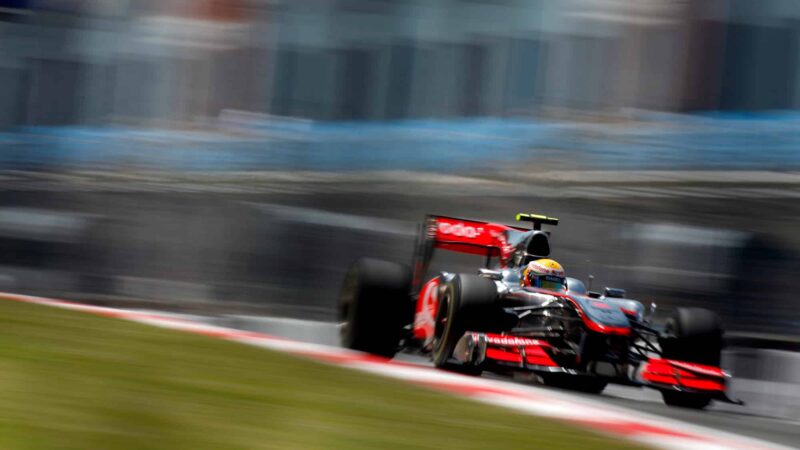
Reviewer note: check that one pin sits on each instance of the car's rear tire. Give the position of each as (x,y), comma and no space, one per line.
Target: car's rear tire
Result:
(467,303)
(692,335)
(374,306)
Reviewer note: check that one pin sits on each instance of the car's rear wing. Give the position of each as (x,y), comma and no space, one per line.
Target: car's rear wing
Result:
(467,236)
(463,236)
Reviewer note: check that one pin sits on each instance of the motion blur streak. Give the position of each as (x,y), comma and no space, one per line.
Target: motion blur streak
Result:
(177,61)
(233,157)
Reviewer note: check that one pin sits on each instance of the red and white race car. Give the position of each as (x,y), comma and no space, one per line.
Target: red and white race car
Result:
(493,320)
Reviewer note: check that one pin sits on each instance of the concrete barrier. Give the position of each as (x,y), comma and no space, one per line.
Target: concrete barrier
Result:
(768,381)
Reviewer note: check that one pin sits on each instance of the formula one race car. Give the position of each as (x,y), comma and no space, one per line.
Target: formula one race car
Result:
(520,313)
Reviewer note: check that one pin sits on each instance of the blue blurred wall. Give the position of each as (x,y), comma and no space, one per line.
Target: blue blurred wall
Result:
(656,141)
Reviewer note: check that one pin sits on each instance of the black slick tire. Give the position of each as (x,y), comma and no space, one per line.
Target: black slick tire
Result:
(693,335)
(589,385)
(467,303)
(374,306)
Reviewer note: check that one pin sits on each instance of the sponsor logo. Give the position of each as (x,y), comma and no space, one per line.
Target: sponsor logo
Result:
(512,341)
(430,299)
(547,267)
(506,249)
(424,320)
(460,230)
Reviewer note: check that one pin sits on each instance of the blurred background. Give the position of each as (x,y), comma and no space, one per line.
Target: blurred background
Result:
(235,156)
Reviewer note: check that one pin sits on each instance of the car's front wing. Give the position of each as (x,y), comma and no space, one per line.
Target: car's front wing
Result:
(491,350)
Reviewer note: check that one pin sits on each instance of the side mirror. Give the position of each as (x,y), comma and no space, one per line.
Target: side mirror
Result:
(650,312)
(594,294)
(614,292)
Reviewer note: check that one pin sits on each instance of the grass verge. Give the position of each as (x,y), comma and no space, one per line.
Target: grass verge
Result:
(75,381)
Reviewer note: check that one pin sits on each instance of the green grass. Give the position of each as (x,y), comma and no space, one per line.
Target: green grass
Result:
(74,381)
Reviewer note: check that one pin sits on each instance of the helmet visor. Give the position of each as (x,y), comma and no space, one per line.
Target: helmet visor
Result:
(550,282)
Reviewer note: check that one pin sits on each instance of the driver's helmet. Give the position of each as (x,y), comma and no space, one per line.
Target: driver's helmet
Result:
(544,274)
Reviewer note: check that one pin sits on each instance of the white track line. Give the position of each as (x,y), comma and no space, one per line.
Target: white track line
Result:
(644,428)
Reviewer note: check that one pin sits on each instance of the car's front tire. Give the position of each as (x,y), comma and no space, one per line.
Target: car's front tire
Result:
(374,306)
(589,385)
(692,335)
(695,336)
(685,400)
